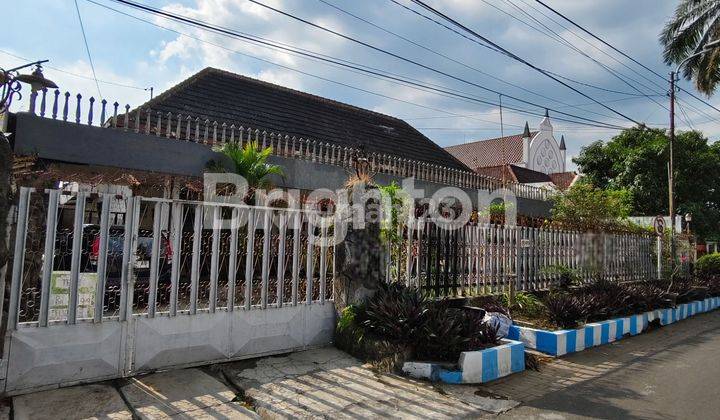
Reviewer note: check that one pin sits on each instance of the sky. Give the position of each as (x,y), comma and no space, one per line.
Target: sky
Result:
(130,55)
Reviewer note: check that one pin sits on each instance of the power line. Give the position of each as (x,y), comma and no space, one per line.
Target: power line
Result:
(435,21)
(363,43)
(87,48)
(314,75)
(417,44)
(232,33)
(623,53)
(72,73)
(526,2)
(519,59)
(565,42)
(458,61)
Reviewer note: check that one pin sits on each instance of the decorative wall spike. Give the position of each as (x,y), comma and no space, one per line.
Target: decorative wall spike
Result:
(126,116)
(168,130)
(31,106)
(115,110)
(42,102)
(55,104)
(103,106)
(90,110)
(77,108)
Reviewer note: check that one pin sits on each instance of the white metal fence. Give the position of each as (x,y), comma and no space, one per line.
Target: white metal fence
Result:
(105,286)
(488,258)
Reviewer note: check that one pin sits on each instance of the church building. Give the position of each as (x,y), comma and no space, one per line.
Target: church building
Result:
(533,157)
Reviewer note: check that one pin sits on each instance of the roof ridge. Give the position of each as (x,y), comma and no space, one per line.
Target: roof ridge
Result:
(519,135)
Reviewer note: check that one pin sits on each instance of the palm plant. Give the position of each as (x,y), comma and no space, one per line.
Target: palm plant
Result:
(694,26)
(250,162)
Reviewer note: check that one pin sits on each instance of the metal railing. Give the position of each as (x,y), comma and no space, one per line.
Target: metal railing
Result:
(490,258)
(160,257)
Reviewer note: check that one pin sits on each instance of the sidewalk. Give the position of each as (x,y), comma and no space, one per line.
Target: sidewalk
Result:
(668,373)
(321,383)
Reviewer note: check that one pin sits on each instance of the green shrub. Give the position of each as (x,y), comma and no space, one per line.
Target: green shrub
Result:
(525,304)
(447,332)
(566,310)
(401,317)
(395,312)
(708,265)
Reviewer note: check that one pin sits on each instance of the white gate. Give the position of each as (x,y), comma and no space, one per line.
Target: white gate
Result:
(106,286)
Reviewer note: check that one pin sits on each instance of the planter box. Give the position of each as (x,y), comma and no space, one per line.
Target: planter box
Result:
(558,343)
(474,366)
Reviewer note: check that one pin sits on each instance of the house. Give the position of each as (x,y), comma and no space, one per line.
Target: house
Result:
(162,147)
(532,157)
(224,97)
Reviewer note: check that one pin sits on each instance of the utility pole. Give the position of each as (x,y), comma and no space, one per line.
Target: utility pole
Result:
(671,175)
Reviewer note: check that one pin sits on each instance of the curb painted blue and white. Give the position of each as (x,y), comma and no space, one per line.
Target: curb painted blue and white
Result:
(558,343)
(474,366)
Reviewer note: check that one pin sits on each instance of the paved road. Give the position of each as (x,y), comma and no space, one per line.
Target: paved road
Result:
(672,372)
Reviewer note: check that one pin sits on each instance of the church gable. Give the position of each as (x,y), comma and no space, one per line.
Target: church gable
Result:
(545,154)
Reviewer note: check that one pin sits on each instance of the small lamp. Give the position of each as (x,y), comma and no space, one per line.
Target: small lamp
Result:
(688,219)
(36,80)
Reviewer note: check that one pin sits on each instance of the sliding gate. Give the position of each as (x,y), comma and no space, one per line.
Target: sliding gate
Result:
(104,286)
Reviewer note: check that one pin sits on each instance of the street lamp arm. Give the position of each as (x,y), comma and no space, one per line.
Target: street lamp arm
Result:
(35,63)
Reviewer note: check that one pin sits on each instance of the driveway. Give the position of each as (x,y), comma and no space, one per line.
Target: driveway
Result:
(672,372)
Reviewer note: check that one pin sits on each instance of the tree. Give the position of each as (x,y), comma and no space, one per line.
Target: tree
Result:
(250,162)
(636,160)
(586,207)
(695,24)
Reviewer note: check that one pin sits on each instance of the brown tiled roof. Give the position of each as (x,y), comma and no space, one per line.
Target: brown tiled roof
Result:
(529,176)
(496,172)
(514,173)
(489,152)
(563,180)
(223,96)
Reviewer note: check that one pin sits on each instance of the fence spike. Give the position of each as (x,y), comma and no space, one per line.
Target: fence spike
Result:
(115,110)
(224,128)
(77,108)
(42,102)
(126,116)
(158,124)
(90,110)
(178,132)
(187,132)
(214,137)
(103,106)
(232,133)
(168,130)
(55,104)
(197,129)
(287,145)
(31,106)
(148,121)
(138,115)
